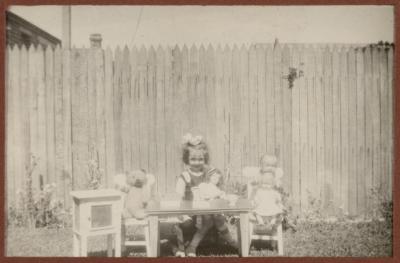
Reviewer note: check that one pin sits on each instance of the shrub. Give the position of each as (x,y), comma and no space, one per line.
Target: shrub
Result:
(37,208)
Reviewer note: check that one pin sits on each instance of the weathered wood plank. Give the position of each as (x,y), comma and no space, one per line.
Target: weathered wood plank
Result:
(244,105)
(310,75)
(133,108)
(109,118)
(219,109)
(253,92)
(235,127)
(376,121)
(369,101)
(50,115)
(79,119)
(278,102)
(151,108)
(296,134)
(170,148)
(226,97)
(151,86)
(361,146)
(160,122)
(261,101)
(384,129)
(270,101)
(100,113)
(59,129)
(320,124)
(11,175)
(390,61)
(41,168)
(344,130)
(211,100)
(33,113)
(91,102)
(125,118)
(24,100)
(336,180)
(352,80)
(67,123)
(301,82)
(201,93)
(328,93)
(286,154)
(117,110)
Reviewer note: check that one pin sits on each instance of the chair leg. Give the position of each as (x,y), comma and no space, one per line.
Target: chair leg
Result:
(280,240)
(123,239)
(147,239)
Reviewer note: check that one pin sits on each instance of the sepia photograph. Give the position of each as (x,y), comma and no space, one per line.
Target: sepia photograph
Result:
(199,131)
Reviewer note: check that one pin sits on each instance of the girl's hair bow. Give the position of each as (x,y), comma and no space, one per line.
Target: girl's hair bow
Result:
(192,140)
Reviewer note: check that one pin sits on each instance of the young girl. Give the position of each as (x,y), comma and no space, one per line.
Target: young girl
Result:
(195,157)
(267,200)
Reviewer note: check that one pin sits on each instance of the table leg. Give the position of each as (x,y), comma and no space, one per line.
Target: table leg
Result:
(118,244)
(84,241)
(244,234)
(154,236)
(76,251)
(109,245)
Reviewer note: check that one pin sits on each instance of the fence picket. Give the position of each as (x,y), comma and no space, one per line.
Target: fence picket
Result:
(125,118)
(361,145)
(344,132)
(109,117)
(286,155)
(50,114)
(336,174)
(160,122)
(235,127)
(296,193)
(320,125)
(244,105)
(303,144)
(352,203)
(328,90)
(11,157)
(309,74)
(270,101)
(79,119)
(391,109)
(369,97)
(58,123)
(151,86)
(33,113)
(384,113)
(100,112)
(253,92)
(376,121)
(278,101)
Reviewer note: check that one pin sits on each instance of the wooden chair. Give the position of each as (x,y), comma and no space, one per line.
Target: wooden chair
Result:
(250,173)
(120,183)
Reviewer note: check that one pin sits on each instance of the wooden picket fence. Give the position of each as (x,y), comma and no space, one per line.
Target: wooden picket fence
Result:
(325,111)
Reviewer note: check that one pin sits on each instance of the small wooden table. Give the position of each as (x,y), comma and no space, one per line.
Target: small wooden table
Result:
(96,212)
(157,210)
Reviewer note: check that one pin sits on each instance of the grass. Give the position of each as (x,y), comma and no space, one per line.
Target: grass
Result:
(362,239)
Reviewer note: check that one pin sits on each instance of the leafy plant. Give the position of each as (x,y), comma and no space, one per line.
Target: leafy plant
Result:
(94,172)
(37,208)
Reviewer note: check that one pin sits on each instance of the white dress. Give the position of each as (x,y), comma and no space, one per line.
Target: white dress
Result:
(268,202)
(209,191)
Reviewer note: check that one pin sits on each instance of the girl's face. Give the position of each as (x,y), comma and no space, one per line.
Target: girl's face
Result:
(214,179)
(196,160)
